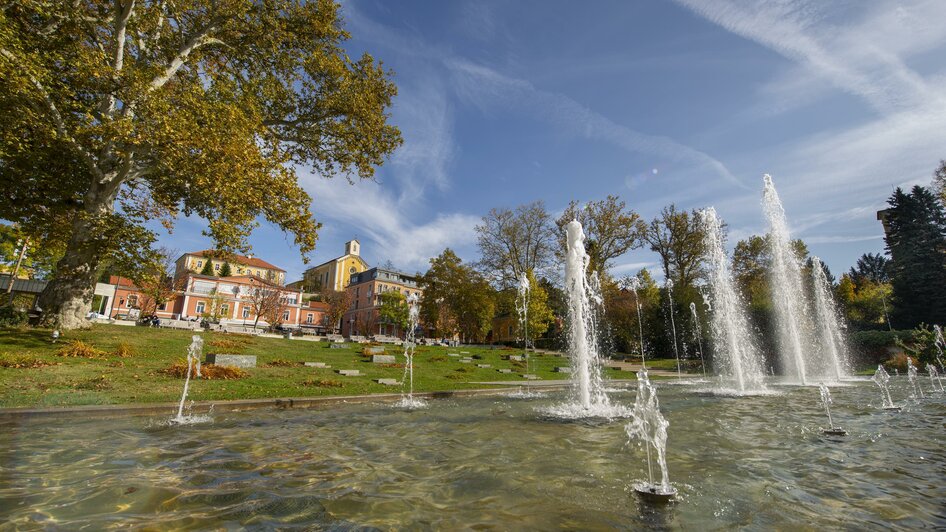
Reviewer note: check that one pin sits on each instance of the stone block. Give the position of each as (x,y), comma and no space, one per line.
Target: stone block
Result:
(506,370)
(348,372)
(316,365)
(563,369)
(337,346)
(453,354)
(382,359)
(484,366)
(236,361)
(516,358)
(375,350)
(531,377)
(388,382)
(464,361)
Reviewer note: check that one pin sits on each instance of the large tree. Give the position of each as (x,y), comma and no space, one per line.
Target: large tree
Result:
(872,267)
(678,238)
(457,298)
(611,230)
(916,240)
(116,113)
(514,241)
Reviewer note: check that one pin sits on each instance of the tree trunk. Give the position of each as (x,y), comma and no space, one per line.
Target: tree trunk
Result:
(67,298)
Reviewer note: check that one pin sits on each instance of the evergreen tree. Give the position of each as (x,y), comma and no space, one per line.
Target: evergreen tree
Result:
(916,241)
(872,267)
(208,268)
(225,270)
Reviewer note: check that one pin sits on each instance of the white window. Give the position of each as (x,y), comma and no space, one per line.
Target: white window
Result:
(225,309)
(246,312)
(200,263)
(285,315)
(200,307)
(308,318)
(217,267)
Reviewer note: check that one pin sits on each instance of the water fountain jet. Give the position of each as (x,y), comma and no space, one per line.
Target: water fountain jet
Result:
(698,333)
(832,338)
(736,358)
(826,401)
(911,374)
(785,275)
(650,426)
(673,325)
(193,363)
(881,378)
(413,316)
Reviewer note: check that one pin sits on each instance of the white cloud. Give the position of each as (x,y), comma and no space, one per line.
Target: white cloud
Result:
(387,221)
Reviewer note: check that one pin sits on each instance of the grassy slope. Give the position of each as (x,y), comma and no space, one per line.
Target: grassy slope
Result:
(139,379)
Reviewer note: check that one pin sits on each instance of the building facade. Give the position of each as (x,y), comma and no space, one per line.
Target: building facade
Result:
(334,274)
(365,289)
(196,261)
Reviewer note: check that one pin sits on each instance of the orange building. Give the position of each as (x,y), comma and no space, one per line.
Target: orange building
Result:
(229,300)
(365,289)
(239,265)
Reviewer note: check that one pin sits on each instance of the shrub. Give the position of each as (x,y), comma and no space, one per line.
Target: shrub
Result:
(80,349)
(239,342)
(898,362)
(208,372)
(323,383)
(11,317)
(124,350)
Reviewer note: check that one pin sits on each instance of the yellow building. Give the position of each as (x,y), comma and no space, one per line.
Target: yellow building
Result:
(239,265)
(336,273)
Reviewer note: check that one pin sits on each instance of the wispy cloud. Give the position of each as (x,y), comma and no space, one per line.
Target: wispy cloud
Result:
(487,87)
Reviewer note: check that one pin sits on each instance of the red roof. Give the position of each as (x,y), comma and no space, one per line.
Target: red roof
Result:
(318,305)
(242,259)
(121,282)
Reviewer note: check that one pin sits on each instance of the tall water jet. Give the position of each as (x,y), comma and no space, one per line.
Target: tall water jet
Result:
(650,426)
(523,290)
(940,344)
(881,378)
(735,358)
(193,363)
(826,401)
(914,382)
(413,314)
(673,325)
(934,378)
(582,325)
(826,312)
(786,284)
(698,333)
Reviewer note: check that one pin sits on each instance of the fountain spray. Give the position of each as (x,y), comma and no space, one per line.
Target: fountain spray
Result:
(911,374)
(934,378)
(193,361)
(785,275)
(826,401)
(940,344)
(413,314)
(582,331)
(832,339)
(735,356)
(673,325)
(881,378)
(522,309)
(649,426)
(699,335)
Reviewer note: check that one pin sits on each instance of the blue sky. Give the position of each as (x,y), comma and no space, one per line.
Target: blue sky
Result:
(686,102)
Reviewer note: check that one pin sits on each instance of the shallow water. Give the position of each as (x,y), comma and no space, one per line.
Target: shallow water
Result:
(757,462)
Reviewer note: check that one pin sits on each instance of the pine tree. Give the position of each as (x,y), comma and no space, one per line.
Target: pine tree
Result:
(226,271)
(916,240)
(208,268)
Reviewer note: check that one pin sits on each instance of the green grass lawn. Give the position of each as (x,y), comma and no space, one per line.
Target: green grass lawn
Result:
(138,378)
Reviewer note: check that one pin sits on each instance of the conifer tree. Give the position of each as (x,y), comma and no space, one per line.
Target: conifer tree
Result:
(916,240)
(208,268)
(225,270)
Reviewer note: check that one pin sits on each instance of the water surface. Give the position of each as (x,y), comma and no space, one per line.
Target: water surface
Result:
(491,462)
